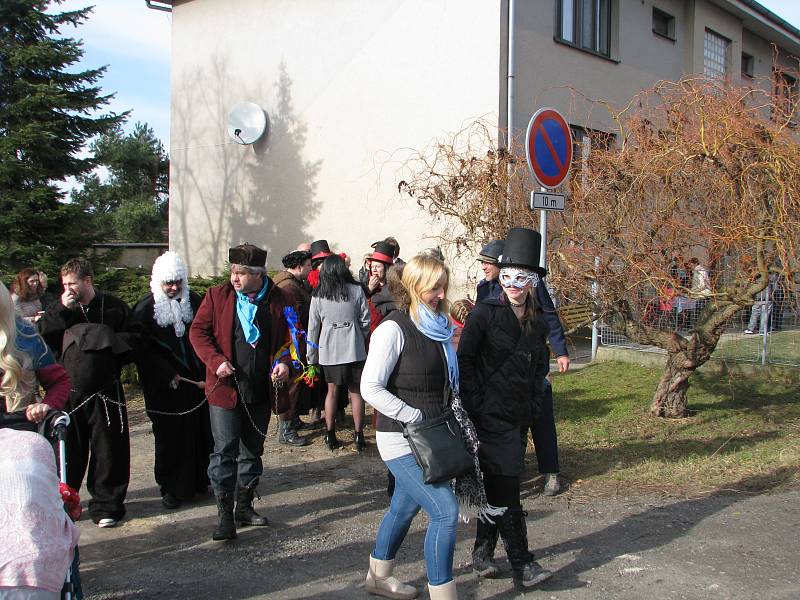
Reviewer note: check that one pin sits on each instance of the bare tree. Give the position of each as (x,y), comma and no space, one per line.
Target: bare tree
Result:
(694,168)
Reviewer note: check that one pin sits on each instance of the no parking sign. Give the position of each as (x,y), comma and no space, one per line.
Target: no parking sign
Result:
(548,147)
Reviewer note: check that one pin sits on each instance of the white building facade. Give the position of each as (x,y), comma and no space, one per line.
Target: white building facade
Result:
(353,88)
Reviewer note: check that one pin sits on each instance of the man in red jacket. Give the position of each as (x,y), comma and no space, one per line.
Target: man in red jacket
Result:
(237,332)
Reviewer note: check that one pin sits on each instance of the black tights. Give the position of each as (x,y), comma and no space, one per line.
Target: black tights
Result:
(502,490)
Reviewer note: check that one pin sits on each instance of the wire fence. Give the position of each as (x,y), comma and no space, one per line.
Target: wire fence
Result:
(769,333)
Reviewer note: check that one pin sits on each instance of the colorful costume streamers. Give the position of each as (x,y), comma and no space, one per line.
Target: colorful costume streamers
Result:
(308,373)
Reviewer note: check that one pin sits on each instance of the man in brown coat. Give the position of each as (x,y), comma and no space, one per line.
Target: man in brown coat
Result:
(237,331)
(292,280)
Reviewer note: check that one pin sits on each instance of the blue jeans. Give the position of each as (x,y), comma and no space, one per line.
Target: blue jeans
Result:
(237,446)
(441,505)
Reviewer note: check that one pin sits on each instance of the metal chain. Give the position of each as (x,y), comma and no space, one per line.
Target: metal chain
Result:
(276,385)
(105,399)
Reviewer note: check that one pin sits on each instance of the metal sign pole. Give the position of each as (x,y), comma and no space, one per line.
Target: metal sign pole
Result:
(543,233)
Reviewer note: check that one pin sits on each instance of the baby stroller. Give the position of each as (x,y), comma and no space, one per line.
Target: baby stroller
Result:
(53,427)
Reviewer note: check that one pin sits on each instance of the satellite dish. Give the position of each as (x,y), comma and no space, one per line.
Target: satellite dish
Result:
(246,123)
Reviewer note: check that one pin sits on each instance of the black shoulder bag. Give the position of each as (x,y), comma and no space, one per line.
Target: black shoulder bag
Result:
(439,448)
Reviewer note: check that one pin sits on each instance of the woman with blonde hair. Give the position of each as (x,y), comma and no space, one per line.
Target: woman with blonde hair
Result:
(409,373)
(26,362)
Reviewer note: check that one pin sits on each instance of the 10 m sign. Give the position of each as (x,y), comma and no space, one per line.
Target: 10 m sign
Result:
(547,201)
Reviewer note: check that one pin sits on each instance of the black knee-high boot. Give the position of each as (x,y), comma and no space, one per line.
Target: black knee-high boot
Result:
(483,563)
(514,531)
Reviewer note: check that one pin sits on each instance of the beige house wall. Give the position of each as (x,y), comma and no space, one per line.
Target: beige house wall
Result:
(353,87)
(349,87)
(553,74)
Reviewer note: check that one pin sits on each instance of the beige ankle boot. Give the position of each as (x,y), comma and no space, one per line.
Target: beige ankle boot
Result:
(381,583)
(446,591)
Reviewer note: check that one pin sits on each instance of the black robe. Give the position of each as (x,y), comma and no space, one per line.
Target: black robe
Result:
(93,342)
(182,443)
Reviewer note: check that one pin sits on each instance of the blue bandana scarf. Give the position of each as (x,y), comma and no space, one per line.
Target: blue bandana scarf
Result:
(246,311)
(437,327)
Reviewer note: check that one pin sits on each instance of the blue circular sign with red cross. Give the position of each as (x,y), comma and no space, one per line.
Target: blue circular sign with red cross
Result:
(548,147)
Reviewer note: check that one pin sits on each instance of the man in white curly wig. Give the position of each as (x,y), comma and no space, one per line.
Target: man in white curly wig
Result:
(172,379)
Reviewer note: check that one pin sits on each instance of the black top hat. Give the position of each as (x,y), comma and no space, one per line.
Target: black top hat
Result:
(491,251)
(522,249)
(247,255)
(320,249)
(384,252)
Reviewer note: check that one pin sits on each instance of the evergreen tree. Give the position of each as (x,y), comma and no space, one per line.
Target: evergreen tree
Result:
(48,112)
(131,202)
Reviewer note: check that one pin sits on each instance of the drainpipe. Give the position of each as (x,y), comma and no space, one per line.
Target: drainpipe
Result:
(510,78)
(158,5)
(510,100)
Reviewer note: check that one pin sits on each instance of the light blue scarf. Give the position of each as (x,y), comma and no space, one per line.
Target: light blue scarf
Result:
(437,327)
(246,311)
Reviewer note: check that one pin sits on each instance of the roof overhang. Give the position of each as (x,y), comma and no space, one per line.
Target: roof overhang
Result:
(765,23)
(165,5)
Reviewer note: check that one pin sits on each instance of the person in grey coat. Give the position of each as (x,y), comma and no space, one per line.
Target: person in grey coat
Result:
(338,326)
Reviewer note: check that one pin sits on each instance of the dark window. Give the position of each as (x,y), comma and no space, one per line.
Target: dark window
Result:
(585,140)
(786,97)
(663,24)
(585,24)
(747,65)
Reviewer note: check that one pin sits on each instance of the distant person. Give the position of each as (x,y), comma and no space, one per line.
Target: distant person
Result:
(700,288)
(319,252)
(173,382)
(380,260)
(761,310)
(293,281)
(27,291)
(338,326)
(93,335)
(236,332)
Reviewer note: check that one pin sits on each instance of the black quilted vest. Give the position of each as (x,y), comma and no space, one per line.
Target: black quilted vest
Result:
(420,375)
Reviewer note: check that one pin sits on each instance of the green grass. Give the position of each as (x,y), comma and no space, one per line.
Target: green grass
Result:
(783,347)
(742,433)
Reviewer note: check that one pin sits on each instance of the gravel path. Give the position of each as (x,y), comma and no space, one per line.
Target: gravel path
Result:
(324,510)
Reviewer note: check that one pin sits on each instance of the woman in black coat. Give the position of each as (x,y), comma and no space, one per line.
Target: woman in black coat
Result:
(503,359)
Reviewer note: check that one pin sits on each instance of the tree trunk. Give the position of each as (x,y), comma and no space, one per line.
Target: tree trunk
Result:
(669,399)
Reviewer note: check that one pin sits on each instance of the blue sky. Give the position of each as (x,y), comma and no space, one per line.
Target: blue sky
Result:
(134,42)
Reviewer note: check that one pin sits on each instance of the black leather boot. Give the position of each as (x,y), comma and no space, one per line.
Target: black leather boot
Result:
(361,443)
(287,435)
(483,563)
(226,527)
(514,531)
(330,439)
(244,514)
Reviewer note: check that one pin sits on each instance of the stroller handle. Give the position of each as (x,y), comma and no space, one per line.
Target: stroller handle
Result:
(53,425)
(58,423)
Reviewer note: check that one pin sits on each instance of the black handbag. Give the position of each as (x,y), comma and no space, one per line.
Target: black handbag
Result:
(439,448)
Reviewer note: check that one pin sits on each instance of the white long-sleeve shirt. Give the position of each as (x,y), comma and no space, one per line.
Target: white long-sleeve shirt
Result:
(385,347)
